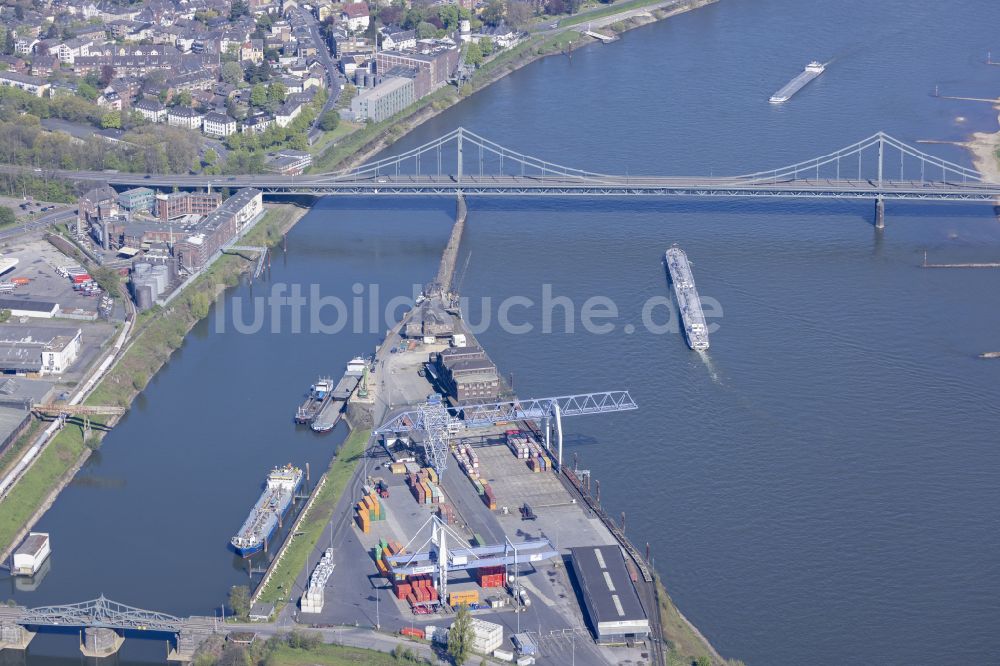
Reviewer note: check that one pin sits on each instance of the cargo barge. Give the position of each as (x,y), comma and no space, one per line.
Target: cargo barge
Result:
(271,507)
(811,71)
(319,395)
(329,415)
(688,301)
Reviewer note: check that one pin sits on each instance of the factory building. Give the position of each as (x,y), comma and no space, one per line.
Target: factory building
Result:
(42,350)
(219,228)
(139,199)
(178,204)
(610,601)
(467,374)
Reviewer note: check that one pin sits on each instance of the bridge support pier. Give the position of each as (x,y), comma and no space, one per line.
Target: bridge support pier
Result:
(880,213)
(187,645)
(14,636)
(100,642)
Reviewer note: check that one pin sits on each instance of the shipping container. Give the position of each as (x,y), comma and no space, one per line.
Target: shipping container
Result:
(412,631)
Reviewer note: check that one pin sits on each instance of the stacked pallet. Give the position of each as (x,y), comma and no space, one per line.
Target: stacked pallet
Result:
(517,442)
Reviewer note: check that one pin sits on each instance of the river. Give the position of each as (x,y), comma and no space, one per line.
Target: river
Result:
(819,488)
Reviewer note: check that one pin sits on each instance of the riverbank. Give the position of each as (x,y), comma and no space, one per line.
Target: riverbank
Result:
(373,138)
(985,150)
(158,333)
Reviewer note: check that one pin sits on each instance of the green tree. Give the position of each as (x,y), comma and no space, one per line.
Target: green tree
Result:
(486,46)
(276,92)
(86,91)
(258,95)
(112,120)
(494,12)
(239,600)
(238,8)
(7,217)
(703,660)
(460,636)
(211,157)
(329,121)
(473,55)
(426,30)
(232,73)
(183,98)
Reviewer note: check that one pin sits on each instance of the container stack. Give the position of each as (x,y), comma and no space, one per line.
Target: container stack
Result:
(424,486)
(465,597)
(486,636)
(468,460)
(446,513)
(413,632)
(383,551)
(398,468)
(491,576)
(489,499)
(368,511)
(517,442)
(416,590)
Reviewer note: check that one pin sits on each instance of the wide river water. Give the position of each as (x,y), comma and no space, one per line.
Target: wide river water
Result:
(820,487)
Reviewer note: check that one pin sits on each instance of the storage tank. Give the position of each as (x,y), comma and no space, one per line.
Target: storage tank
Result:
(141,268)
(143,293)
(161,274)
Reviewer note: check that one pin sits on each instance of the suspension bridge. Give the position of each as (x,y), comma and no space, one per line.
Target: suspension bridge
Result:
(879,168)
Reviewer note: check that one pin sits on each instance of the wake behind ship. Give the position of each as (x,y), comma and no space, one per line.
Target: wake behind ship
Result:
(271,507)
(688,301)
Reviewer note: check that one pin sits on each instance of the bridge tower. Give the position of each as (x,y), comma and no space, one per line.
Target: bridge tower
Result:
(879,200)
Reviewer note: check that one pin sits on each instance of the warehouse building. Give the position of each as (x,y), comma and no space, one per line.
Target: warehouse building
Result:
(610,601)
(466,374)
(26,307)
(42,350)
(383,101)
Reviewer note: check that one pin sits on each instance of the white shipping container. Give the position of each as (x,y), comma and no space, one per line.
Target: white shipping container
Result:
(504,655)
(486,636)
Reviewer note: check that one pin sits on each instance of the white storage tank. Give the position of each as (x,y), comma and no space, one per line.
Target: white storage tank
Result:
(161,275)
(30,556)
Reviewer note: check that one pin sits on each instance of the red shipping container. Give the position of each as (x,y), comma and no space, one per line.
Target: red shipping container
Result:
(412,631)
(411,598)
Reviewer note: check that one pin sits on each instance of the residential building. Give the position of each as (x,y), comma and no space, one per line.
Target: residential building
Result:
(384,100)
(399,40)
(182,116)
(288,112)
(151,109)
(218,124)
(30,84)
(355,16)
(258,123)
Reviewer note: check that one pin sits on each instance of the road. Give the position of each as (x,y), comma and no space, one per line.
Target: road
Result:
(61,215)
(301,17)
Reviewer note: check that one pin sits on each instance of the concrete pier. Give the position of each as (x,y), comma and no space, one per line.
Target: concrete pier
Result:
(14,636)
(446,271)
(100,642)
(880,213)
(187,645)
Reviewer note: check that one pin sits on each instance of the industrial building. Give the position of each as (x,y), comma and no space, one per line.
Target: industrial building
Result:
(177,204)
(139,199)
(383,101)
(429,321)
(466,373)
(219,228)
(31,554)
(434,66)
(43,350)
(610,601)
(26,307)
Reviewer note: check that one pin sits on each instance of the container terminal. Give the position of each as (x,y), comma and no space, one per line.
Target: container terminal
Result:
(688,301)
(463,498)
(266,516)
(811,71)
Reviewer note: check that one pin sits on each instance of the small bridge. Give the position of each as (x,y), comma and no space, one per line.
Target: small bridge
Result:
(102,623)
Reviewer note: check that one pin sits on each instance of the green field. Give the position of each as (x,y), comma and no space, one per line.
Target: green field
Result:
(616,8)
(330,655)
(311,528)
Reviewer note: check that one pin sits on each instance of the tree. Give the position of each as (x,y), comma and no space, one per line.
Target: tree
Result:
(426,30)
(449,16)
(276,92)
(518,13)
(703,660)
(473,55)
(7,217)
(494,13)
(486,46)
(211,157)
(107,75)
(232,73)
(86,91)
(112,120)
(329,121)
(239,600)
(460,636)
(239,8)
(258,95)
(183,98)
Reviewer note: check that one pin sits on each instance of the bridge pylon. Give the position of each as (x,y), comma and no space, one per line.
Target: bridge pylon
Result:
(879,213)
(14,637)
